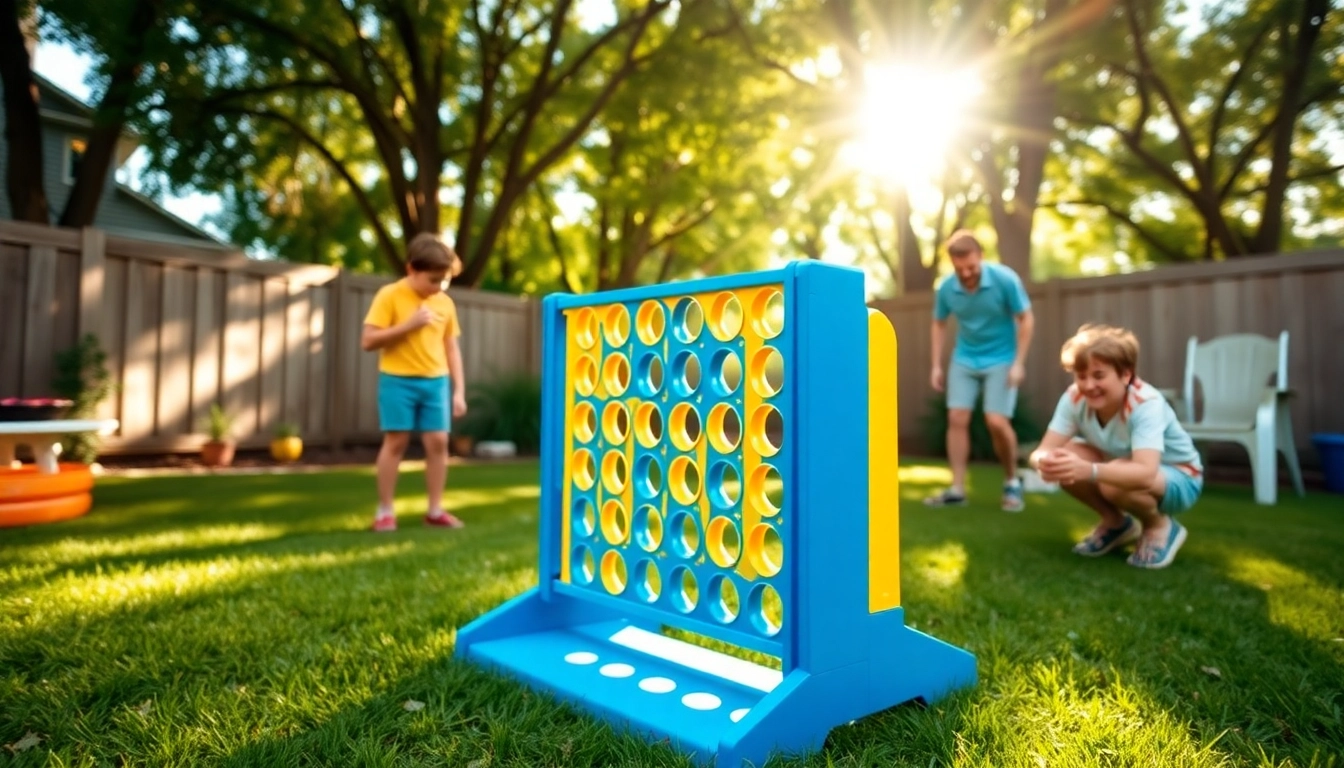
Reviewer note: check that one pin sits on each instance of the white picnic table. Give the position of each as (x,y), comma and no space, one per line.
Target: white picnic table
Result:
(44,437)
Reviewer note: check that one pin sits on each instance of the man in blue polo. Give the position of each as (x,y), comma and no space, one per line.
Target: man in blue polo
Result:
(994,325)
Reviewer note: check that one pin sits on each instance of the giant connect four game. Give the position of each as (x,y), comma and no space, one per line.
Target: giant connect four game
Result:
(719,460)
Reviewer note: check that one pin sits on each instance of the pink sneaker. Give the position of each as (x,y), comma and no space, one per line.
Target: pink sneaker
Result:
(385,523)
(443,520)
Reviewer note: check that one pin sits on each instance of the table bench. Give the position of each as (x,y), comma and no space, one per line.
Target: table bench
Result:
(44,437)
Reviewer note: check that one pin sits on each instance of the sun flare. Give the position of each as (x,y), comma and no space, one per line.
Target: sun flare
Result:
(909,116)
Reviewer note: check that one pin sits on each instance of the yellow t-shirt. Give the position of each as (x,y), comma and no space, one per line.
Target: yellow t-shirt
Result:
(420,352)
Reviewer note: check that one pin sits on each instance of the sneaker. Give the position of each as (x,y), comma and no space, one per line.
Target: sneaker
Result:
(1012,500)
(443,520)
(947,498)
(1160,555)
(1103,540)
(385,523)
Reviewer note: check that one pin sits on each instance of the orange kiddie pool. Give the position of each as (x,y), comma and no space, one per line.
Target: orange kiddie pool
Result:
(29,496)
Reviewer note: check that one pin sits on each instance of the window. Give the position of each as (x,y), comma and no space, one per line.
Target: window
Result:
(74,155)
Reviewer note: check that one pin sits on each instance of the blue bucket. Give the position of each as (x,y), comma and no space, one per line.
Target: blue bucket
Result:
(1330,447)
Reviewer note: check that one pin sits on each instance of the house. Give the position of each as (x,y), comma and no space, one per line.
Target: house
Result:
(66,122)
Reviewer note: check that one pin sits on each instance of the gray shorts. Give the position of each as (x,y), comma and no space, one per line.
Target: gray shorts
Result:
(965,385)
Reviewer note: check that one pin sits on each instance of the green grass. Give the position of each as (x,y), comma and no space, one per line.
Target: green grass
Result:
(251,620)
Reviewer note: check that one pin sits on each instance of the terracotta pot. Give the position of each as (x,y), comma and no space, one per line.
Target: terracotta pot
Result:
(217,453)
(287,449)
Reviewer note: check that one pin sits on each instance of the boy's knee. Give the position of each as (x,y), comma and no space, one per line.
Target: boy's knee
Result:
(435,442)
(959,418)
(997,422)
(396,441)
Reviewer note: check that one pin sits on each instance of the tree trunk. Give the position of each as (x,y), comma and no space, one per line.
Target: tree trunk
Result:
(23,127)
(915,277)
(108,120)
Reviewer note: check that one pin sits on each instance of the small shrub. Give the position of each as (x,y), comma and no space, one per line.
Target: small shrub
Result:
(218,424)
(81,376)
(505,408)
(934,424)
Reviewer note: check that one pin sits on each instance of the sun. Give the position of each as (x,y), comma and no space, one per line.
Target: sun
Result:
(908,118)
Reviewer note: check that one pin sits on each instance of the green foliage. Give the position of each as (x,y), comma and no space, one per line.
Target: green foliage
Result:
(287,429)
(934,423)
(82,376)
(505,408)
(219,423)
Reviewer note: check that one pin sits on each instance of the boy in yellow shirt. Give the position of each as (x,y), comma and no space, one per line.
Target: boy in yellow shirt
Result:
(413,324)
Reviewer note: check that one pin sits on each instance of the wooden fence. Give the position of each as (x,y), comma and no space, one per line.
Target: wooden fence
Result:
(185,327)
(276,342)
(1302,293)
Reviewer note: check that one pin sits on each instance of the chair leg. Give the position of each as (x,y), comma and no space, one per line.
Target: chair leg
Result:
(1288,448)
(1264,466)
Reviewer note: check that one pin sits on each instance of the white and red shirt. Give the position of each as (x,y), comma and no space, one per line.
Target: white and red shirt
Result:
(1146,420)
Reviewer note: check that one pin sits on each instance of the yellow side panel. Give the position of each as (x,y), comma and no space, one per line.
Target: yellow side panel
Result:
(884,486)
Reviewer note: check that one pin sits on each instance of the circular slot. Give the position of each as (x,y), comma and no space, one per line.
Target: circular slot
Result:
(648,475)
(766,609)
(613,572)
(585,422)
(650,321)
(685,373)
(648,528)
(616,374)
(766,430)
(585,375)
(614,476)
(725,316)
(583,469)
(585,327)
(685,534)
(765,550)
(615,423)
(766,371)
(724,428)
(724,602)
(648,582)
(583,518)
(648,424)
(683,479)
(723,542)
(687,320)
(616,325)
(725,372)
(582,565)
(767,311)
(685,590)
(684,426)
(725,484)
(765,490)
(615,522)
(649,374)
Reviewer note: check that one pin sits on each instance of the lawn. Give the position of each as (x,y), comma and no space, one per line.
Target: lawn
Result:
(251,620)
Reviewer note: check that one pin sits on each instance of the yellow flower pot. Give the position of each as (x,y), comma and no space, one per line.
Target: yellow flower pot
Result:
(287,449)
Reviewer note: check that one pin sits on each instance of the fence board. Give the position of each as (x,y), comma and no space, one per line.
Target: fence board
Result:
(185,327)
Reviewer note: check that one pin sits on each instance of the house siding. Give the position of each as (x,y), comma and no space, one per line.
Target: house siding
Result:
(119,211)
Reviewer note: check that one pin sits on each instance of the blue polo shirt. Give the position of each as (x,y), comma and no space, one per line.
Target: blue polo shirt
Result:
(986,319)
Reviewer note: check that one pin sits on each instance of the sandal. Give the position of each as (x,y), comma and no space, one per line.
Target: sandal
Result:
(1159,555)
(1102,540)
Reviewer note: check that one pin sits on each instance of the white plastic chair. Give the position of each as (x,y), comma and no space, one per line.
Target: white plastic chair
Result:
(1241,406)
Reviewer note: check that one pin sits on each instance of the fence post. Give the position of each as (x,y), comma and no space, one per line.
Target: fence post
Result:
(336,405)
(92,271)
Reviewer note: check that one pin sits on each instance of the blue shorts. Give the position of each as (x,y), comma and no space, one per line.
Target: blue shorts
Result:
(413,403)
(964,386)
(1182,491)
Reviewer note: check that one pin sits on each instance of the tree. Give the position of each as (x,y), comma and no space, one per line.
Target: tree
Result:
(23,127)
(449,93)
(1211,131)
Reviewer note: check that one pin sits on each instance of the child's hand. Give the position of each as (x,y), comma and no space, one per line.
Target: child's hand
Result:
(422,317)
(459,406)
(1063,466)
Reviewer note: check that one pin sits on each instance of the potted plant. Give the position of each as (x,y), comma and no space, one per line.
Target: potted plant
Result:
(218,450)
(287,445)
